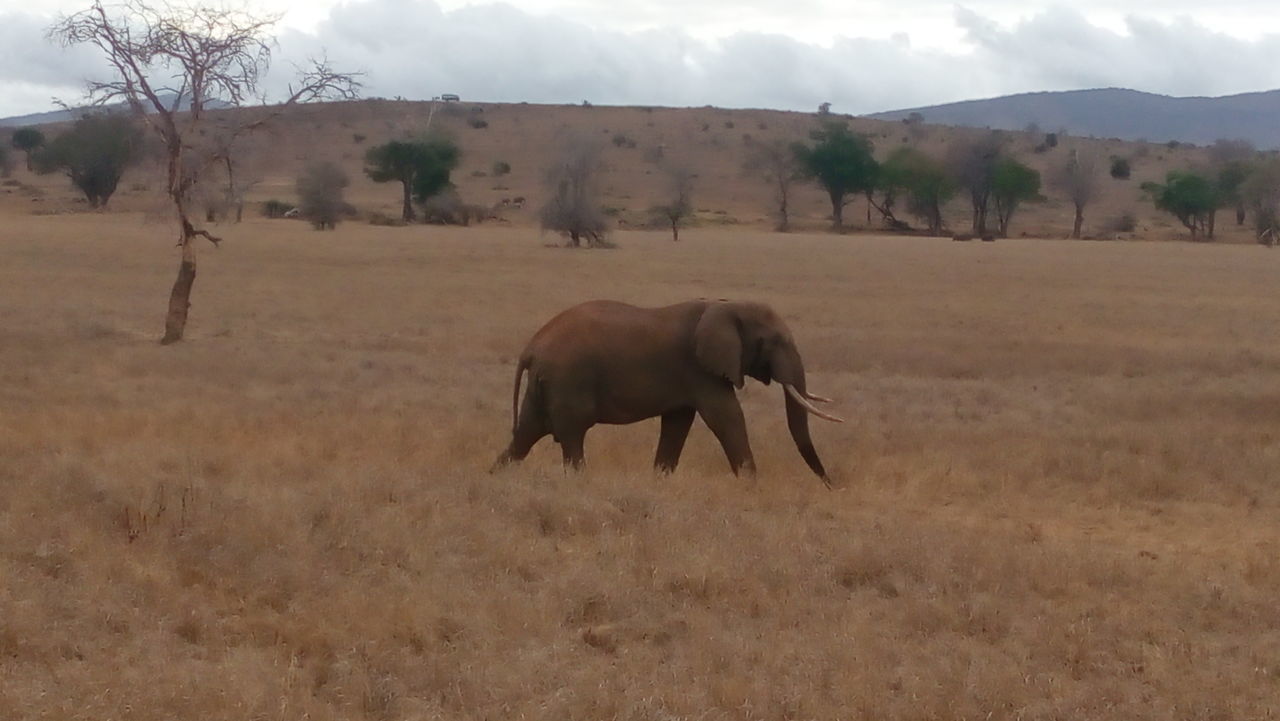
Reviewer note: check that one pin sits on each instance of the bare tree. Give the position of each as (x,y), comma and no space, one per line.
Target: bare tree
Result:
(210,53)
(573,208)
(320,189)
(679,205)
(777,162)
(1079,178)
(973,164)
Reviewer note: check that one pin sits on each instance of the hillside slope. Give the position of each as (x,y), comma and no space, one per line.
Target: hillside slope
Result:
(1118,113)
(638,143)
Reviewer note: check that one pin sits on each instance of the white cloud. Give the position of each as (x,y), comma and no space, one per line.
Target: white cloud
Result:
(414,49)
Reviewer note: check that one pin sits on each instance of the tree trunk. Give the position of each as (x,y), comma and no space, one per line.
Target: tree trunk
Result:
(175,323)
(783,220)
(837,211)
(675,231)
(407,213)
(1075,232)
(1213,222)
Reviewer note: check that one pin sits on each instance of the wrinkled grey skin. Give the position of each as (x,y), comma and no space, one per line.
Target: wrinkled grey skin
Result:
(609,362)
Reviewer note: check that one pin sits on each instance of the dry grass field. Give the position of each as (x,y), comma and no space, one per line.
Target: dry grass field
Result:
(1058,489)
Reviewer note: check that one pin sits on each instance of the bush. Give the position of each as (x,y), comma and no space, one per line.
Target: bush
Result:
(275,208)
(478,123)
(1123,223)
(320,188)
(357,138)
(1120,168)
(620,140)
(500,168)
(94,154)
(447,208)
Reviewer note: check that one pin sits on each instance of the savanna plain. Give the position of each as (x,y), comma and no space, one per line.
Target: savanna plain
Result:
(1057,493)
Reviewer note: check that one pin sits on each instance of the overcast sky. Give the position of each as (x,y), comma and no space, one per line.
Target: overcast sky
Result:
(860,55)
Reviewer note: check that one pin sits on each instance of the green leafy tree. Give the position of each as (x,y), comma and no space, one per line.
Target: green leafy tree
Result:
(841,162)
(925,183)
(1190,197)
(5,164)
(94,153)
(1012,184)
(28,140)
(422,167)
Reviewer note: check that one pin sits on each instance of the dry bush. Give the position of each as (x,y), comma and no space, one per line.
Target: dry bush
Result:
(1057,494)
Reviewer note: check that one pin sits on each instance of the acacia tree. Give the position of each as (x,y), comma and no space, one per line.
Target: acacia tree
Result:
(1079,179)
(679,205)
(1189,197)
(209,52)
(422,167)
(1012,183)
(94,154)
(841,162)
(573,205)
(28,140)
(1232,161)
(973,165)
(924,181)
(777,162)
(320,188)
(1261,191)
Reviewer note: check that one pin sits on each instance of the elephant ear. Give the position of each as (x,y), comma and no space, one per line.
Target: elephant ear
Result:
(717,343)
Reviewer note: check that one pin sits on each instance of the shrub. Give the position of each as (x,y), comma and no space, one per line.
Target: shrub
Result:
(500,168)
(478,123)
(275,208)
(620,140)
(1120,168)
(447,208)
(357,138)
(320,188)
(94,154)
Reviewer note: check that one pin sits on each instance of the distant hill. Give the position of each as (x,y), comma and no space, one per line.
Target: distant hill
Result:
(1118,113)
(62,116)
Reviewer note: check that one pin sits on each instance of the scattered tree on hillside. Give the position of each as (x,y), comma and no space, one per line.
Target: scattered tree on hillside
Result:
(203,52)
(1189,197)
(1012,184)
(6,165)
(28,140)
(94,153)
(320,192)
(925,183)
(841,162)
(1261,193)
(1232,161)
(422,167)
(1079,179)
(1121,168)
(573,203)
(778,164)
(973,163)
(679,204)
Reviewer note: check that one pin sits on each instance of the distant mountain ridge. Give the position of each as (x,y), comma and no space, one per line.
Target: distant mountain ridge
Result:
(68,114)
(1119,113)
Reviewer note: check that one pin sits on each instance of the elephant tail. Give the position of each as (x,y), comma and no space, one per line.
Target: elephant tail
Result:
(521,367)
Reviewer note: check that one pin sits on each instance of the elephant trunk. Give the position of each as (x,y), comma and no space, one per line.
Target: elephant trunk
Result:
(788,370)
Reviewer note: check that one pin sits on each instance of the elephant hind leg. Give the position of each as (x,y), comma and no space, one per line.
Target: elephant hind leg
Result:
(675,429)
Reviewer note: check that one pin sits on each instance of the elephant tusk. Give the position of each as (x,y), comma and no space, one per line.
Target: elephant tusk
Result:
(817,398)
(798,397)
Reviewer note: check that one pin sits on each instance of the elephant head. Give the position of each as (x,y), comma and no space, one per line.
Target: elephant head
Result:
(737,340)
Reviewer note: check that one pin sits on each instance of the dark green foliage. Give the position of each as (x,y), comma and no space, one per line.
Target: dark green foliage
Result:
(421,166)
(1012,183)
(94,154)
(320,189)
(1120,168)
(841,162)
(28,140)
(275,208)
(924,182)
(1190,197)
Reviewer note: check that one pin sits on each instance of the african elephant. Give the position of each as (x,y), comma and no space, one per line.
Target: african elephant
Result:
(609,362)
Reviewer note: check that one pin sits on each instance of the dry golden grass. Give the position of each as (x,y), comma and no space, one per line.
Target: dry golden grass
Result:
(1058,487)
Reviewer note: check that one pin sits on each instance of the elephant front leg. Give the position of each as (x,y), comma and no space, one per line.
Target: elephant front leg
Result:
(723,416)
(675,429)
